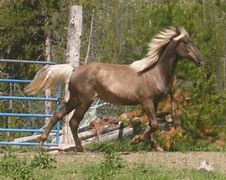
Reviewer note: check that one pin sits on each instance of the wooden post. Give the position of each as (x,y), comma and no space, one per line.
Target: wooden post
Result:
(72,57)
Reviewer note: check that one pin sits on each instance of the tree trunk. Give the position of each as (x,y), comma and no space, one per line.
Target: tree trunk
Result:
(72,57)
(225,59)
(48,91)
(10,109)
(90,37)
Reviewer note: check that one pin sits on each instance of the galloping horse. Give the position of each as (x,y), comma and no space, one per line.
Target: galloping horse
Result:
(144,82)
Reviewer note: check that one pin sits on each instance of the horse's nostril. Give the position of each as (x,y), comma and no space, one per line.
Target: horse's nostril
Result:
(200,63)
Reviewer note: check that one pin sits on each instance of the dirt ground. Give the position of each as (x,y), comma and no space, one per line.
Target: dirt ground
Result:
(177,160)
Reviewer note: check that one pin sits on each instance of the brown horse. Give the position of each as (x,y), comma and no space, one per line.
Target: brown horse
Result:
(144,82)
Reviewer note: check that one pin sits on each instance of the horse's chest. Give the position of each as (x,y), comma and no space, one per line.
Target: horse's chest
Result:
(162,89)
(164,93)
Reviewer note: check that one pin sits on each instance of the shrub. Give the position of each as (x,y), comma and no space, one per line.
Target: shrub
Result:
(11,166)
(107,169)
(204,116)
(43,161)
(22,169)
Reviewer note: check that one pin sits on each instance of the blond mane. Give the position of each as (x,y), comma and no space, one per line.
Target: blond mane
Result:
(159,41)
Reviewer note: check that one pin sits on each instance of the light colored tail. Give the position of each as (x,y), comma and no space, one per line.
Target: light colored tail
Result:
(48,77)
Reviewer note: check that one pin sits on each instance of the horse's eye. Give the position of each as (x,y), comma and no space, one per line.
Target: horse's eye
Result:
(186,41)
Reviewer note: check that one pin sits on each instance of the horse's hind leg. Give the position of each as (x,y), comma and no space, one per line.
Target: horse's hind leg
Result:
(58,115)
(74,123)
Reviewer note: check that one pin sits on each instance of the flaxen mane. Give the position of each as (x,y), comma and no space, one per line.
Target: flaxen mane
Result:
(159,41)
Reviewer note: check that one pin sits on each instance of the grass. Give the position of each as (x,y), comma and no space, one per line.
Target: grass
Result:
(43,166)
(18,149)
(118,146)
(181,145)
(125,172)
(33,164)
(13,167)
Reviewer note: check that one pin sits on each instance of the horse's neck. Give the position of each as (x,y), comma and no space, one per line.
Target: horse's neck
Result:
(167,64)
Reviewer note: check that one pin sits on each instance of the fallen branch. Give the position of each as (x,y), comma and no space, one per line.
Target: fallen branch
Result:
(32,138)
(91,133)
(108,136)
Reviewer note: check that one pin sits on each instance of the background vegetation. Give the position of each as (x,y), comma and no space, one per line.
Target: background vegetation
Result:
(121,32)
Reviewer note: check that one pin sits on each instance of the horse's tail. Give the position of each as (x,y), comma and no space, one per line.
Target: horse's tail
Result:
(48,77)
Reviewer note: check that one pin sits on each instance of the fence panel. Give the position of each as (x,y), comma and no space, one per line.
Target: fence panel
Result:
(56,99)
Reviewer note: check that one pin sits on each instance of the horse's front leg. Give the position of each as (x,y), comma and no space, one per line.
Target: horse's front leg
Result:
(150,109)
(58,115)
(74,124)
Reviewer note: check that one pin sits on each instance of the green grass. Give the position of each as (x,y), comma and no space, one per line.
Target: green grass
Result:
(128,172)
(23,168)
(28,163)
(115,169)
(109,167)
(118,146)
(182,145)
(18,149)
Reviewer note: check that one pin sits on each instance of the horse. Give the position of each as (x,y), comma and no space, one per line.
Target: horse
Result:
(145,82)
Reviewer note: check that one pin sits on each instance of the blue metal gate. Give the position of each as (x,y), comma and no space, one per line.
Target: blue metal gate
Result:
(56,131)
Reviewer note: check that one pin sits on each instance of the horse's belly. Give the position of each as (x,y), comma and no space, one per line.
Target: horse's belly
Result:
(118,99)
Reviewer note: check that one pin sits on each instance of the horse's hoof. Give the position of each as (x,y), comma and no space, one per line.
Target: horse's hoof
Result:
(74,149)
(40,147)
(71,149)
(159,149)
(41,139)
(80,149)
(136,139)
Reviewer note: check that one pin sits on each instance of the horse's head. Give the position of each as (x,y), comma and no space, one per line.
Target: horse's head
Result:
(186,48)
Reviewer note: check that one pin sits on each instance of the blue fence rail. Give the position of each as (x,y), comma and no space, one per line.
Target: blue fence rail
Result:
(53,99)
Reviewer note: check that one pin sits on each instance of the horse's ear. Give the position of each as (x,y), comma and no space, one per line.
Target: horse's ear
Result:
(177,29)
(180,36)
